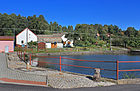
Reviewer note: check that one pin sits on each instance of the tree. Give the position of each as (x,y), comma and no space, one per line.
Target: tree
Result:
(60,28)
(131,32)
(70,28)
(110,29)
(64,29)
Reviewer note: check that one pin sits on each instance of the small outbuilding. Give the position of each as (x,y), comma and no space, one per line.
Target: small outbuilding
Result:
(6,44)
(52,41)
(25,36)
(41,45)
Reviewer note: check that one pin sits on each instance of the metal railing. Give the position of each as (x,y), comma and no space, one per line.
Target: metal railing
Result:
(117,63)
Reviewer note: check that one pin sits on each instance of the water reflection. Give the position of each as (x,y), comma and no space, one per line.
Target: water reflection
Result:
(34,62)
(110,74)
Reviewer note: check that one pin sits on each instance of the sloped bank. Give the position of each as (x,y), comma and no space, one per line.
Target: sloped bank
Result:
(85,53)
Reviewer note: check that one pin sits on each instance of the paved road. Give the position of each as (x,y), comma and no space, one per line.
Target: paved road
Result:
(5,72)
(11,87)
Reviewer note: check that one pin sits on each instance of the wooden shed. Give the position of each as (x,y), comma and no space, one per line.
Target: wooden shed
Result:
(41,46)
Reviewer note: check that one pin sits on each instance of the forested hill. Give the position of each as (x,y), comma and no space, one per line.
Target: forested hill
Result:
(88,34)
(36,24)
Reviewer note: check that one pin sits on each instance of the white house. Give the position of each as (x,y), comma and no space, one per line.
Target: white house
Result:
(25,36)
(52,41)
(57,40)
(67,42)
(48,45)
(59,45)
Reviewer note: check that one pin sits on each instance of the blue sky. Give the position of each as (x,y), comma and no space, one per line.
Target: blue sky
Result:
(123,13)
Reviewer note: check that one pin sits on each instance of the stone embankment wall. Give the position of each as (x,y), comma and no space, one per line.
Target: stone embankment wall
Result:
(14,61)
(84,53)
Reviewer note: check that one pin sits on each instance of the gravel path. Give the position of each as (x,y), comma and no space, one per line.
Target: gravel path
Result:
(57,80)
(73,81)
(65,80)
(5,72)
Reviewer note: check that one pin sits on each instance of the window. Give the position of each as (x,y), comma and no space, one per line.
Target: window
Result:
(22,41)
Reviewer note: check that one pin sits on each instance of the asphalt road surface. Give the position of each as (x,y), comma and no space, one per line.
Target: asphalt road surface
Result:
(11,87)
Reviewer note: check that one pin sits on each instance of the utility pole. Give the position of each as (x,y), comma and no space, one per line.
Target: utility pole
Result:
(14,38)
(110,43)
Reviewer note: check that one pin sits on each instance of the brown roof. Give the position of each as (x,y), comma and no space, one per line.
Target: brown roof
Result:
(8,38)
(50,38)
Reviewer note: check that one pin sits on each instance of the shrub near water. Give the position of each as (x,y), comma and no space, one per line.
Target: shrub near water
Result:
(129,75)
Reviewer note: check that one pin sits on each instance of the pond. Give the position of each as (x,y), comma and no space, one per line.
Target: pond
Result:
(108,74)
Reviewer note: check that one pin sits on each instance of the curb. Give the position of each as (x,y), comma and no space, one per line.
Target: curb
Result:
(23,82)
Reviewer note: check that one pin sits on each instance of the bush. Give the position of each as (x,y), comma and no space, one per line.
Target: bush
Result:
(129,76)
(101,43)
(32,44)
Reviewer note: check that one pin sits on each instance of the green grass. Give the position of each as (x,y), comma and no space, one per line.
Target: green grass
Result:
(56,50)
(133,49)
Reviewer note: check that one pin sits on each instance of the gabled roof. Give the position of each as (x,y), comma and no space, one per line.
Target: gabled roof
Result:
(50,38)
(24,30)
(6,38)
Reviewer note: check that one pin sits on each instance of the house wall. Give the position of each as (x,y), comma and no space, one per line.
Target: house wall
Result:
(59,45)
(67,41)
(71,43)
(31,36)
(3,44)
(20,37)
(48,45)
(23,37)
(63,38)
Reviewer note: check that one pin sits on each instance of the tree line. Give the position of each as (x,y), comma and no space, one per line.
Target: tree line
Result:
(103,34)
(82,34)
(13,22)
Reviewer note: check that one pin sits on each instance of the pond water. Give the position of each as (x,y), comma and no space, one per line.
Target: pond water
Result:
(108,74)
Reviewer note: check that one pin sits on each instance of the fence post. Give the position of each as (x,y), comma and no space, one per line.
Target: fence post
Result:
(117,69)
(30,59)
(60,63)
(18,53)
(21,55)
(24,55)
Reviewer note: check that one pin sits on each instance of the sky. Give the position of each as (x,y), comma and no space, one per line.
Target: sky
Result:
(123,13)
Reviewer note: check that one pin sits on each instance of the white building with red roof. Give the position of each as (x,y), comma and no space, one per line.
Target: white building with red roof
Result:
(25,36)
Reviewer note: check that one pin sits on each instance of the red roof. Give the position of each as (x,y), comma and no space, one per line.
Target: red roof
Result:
(3,38)
(24,30)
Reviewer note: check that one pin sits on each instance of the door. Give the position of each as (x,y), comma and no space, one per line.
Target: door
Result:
(6,49)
